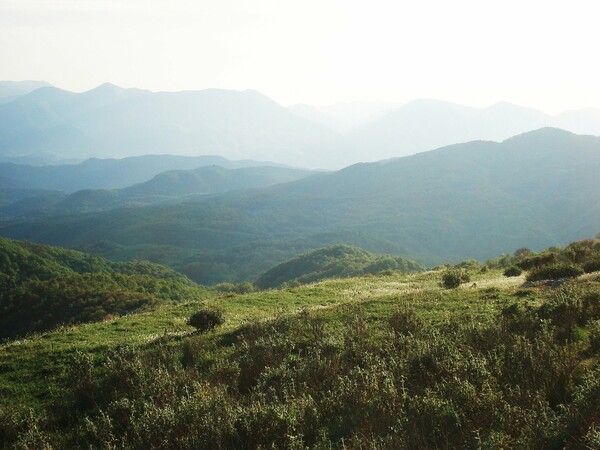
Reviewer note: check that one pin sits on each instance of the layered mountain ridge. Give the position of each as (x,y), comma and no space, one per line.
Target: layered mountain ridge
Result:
(470,200)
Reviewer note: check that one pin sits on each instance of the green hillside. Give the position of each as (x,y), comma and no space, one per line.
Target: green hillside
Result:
(170,186)
(42,287)
(467,201)
(337,261)
(213,179)
(26,189)
(97,173)
(390,361)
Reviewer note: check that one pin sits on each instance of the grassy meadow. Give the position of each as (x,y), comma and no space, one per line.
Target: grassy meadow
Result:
(388,361)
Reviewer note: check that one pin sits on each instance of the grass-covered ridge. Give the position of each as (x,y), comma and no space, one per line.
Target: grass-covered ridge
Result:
(44,286)
(391,361)
(336,261)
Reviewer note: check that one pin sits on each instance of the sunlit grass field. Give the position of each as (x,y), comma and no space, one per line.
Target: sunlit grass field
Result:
(32,368)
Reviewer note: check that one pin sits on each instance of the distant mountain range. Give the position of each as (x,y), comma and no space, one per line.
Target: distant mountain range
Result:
(108,173)
(392,130)
(109,121)
(344,116)
(169,186)
(470,200)
(11,90)
(49,124)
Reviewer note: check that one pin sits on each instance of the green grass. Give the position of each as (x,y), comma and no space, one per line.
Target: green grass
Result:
(395,361)
(32,368)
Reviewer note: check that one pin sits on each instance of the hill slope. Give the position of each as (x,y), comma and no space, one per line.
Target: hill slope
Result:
(26,188)
(42,287)
(169,186)
(108,173)
(337,261)
(11,90)
(392,361)
(465,201)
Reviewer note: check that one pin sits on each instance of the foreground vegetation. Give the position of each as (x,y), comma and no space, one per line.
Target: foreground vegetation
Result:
(389,361)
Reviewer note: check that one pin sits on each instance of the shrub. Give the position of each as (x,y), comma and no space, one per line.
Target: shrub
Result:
(243,288)
(595,337)
(554,272)
(224,287)
(522,253)
(501,262)
(206,319)
(537,260)
(469,264)
(591,266)
(240,288)
(591,304)
(405,321)
(512,271)
(453,278)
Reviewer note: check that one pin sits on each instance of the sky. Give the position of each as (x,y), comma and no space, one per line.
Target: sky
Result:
(542,54)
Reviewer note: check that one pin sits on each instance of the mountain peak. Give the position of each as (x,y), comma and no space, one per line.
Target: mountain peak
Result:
(47,93)
(542,133)
(107,86)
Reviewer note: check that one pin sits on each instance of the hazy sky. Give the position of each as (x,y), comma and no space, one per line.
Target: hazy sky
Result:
(542,54)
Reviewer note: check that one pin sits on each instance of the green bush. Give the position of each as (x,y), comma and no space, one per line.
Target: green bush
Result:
(224,287)
(595,337)
(591,266)
(405,321)
(554,272)
(206,319)
(537,260)
(453,278)
(243,288)
(512,271)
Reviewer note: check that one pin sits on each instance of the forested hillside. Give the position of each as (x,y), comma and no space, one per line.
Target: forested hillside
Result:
(336,261)
(42,287)
(467,201)
(106,173)
(167,187)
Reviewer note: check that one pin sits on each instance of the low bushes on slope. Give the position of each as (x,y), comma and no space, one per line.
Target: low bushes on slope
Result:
(353,376)
(554,272)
